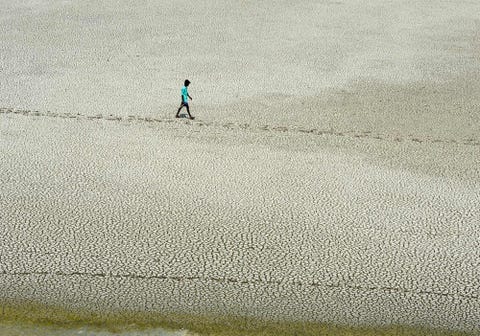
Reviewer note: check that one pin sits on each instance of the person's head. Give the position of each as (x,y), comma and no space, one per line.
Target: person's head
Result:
(187,82)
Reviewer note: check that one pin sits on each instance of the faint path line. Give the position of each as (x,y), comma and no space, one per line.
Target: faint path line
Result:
(246,126)
(247,282)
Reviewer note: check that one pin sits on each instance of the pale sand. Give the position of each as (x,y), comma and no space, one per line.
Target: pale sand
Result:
(331,176)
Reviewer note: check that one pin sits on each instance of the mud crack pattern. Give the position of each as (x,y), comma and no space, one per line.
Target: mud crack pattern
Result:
(116,214)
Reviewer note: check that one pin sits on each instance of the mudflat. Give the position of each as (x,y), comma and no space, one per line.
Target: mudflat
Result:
(331,173)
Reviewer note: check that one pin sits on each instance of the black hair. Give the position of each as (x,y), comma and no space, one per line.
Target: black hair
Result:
(186,82)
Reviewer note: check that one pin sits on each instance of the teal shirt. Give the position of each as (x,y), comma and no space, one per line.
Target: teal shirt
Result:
(185,94)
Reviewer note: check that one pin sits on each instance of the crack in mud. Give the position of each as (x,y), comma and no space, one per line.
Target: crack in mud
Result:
(246,126)
(228,280)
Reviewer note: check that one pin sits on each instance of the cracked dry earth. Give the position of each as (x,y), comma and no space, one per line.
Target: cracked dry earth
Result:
(192,217)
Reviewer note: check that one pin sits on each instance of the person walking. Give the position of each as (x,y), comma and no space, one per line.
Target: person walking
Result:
(184,102)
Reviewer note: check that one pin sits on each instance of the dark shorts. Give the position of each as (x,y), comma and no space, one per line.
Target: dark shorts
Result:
(184,103)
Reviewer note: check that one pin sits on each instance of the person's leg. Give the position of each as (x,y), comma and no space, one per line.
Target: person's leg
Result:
(178,112)
(188,111)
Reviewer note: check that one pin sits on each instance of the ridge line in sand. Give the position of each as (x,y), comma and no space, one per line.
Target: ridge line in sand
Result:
(247,282)
(246,126)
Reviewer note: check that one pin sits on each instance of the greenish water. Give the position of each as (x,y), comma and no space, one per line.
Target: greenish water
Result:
(36,319)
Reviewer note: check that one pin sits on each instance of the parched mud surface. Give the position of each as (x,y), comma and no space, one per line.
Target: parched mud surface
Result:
(161,216)
(331,174)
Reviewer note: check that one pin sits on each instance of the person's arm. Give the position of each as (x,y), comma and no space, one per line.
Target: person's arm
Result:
(189,96)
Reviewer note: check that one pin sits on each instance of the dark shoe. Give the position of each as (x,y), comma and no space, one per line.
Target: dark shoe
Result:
(191,118)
